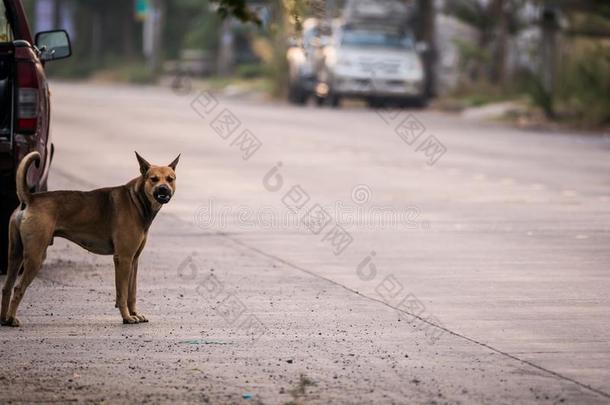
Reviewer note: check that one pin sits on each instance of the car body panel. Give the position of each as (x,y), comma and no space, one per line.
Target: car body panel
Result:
(25,88)
(18,145)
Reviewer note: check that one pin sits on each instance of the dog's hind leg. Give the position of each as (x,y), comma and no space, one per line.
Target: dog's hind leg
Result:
(15,261)
(31,266)
(34,251)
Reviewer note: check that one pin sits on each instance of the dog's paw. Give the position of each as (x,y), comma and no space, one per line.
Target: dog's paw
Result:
(140,317)
(12,322)
(131,320)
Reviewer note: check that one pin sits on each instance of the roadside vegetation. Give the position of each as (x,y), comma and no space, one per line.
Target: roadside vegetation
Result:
(567,81)
(564,78)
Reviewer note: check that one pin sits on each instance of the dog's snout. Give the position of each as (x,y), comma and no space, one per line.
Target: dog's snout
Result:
(163,193)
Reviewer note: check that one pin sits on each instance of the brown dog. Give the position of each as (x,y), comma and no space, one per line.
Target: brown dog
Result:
(107,221)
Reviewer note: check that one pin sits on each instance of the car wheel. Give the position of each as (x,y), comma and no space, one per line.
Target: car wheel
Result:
(334,101)
(375,102)
(419,102)
(297,96)
(7,206)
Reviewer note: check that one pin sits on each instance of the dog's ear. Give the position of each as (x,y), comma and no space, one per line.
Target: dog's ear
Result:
(174,163)
(144,165)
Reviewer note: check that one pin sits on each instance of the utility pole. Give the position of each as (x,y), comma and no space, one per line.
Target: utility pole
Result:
(97,31)
(549,46)
(500,13)
(426,10)
(226,52)
(56,14)
(548,67)
(153,33)
(331,8)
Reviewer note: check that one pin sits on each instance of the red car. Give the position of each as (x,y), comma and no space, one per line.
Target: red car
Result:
(24,105)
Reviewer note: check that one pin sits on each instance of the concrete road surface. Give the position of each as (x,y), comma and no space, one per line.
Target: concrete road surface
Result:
(325,256)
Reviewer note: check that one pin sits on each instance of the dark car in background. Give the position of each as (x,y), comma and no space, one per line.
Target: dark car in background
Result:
(303,56)
(24,105)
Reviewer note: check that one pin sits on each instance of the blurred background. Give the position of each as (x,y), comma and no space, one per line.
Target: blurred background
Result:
(550,59)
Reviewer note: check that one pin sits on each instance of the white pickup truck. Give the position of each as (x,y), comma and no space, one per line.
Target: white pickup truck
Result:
(372,55)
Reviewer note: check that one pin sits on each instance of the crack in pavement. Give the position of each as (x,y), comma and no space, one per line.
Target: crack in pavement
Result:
(457,334)
(75,179)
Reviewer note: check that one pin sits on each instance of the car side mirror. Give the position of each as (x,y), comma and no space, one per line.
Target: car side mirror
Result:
(53,45)
(421,47)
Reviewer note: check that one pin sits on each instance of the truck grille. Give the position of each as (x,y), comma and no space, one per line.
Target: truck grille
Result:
(382,67)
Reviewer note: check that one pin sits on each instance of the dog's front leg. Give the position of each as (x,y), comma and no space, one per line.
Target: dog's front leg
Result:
(133,286)
(122,271)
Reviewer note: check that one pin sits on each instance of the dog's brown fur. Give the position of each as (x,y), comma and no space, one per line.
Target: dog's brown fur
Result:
(108,221)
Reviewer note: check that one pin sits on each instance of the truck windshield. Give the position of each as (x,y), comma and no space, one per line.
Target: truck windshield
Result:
(6,34)
(376,39)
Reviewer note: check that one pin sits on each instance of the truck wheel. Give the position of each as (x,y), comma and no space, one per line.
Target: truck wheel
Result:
(297,96)
(374,102)
(7,206)
(334,100)
(419,102)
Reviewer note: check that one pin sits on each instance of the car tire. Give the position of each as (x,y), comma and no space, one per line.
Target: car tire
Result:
(419,102)
(334,101)
(7,206)
(375,102)
(297,95)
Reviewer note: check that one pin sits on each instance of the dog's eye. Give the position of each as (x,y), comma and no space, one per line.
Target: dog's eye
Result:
(169,179)
(154,179)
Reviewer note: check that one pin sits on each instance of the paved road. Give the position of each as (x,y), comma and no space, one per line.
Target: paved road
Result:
(482,278)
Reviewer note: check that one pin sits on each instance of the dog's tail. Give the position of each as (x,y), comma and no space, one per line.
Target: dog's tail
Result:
(23,191)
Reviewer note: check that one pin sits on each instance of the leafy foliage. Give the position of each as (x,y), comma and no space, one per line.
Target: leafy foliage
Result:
(584,90)
(238,9)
